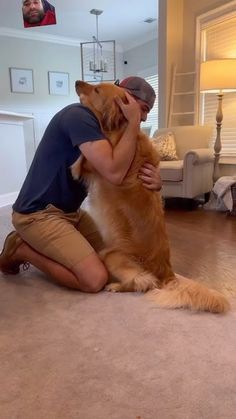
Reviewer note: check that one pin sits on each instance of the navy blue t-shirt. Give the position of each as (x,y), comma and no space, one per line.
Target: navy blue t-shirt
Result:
(49,180)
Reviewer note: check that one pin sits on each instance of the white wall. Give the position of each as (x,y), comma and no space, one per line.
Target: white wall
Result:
(170,50)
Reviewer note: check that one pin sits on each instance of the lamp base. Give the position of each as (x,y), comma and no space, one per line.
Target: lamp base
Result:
(217,145)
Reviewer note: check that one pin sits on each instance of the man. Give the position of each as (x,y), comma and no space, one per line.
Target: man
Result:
(38,13)
(52,234)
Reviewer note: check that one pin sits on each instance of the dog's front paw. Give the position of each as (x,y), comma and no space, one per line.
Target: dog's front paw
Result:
(113,287)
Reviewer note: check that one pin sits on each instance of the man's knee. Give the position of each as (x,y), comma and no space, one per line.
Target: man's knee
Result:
(92,276)
(95,282)
(98,283)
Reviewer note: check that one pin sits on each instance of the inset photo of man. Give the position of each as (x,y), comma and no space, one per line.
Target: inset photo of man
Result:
(38,13)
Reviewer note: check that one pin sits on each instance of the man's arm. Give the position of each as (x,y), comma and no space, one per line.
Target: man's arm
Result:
(113,163)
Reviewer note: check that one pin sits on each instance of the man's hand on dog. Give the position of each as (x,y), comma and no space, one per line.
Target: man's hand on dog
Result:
(150,176)
(131,109)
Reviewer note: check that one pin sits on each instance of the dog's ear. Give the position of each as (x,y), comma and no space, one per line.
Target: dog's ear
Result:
(112,117)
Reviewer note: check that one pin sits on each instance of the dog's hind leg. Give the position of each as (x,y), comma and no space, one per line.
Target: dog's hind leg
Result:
(127,273)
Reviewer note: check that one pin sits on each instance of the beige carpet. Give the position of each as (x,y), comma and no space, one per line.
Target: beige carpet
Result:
(69,355)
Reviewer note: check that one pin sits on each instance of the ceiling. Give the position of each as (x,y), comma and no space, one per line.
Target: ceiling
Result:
(121,20)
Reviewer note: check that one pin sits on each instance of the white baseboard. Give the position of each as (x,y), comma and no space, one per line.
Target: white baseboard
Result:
(8,199)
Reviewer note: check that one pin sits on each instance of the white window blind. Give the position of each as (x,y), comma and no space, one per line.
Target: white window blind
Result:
(219,41)
(152,119)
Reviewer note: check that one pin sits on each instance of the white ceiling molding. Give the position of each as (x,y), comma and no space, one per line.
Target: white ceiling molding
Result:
(36,36)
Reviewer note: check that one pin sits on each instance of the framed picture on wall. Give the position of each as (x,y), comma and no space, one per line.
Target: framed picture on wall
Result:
(21,80)
(58,83)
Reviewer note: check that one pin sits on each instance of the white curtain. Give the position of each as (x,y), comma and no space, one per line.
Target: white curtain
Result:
(152,119)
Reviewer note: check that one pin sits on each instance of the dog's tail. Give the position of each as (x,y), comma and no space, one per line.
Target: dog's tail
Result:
(185,293)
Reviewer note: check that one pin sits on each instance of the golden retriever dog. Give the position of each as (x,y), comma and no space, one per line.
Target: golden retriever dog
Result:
(130,218)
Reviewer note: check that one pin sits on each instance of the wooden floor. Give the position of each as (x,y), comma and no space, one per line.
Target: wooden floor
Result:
(203,246)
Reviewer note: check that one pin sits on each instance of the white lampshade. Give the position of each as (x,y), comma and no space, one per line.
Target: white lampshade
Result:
(218,75)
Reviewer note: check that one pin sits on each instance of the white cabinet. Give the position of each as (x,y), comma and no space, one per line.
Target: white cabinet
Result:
(13,165)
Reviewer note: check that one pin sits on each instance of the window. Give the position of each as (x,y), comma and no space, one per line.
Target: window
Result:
(152,119)
(219,41)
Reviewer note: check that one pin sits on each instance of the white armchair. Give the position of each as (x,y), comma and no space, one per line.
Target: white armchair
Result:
(192,174)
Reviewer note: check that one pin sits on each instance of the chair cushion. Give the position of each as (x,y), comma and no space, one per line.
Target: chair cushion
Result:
(166,146)
(171,171)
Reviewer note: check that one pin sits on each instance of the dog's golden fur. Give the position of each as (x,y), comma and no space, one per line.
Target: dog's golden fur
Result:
(131,218)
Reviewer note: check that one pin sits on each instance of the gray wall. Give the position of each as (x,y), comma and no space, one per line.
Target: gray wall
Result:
(141,59)
(47,56)
(43,56)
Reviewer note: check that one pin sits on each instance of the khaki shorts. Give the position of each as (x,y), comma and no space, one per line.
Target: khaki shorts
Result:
(64,238)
